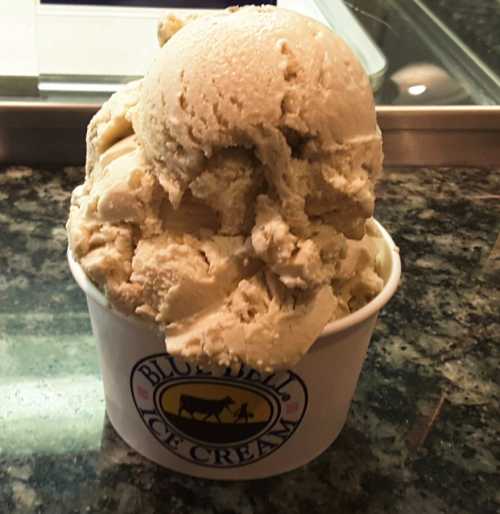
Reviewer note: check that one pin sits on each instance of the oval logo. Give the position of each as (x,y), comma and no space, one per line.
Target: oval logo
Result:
(216,413)
(226,420)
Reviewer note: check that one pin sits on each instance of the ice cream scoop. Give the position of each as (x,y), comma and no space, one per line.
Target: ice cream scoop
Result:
(228,194)
(281,88)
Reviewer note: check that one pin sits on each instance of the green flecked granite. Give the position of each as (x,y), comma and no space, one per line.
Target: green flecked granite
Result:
(423,435)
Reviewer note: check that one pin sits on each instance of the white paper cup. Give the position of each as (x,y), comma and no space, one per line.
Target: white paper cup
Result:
(232,426)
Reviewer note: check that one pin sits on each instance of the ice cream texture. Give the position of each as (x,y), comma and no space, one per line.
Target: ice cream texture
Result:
(228,195)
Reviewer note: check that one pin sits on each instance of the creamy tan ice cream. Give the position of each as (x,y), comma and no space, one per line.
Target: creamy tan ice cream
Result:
(228,194)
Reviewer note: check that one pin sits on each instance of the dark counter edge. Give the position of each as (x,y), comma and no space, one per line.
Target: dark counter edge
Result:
(54,133)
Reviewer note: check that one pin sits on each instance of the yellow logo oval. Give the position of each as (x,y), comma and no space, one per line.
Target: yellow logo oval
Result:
(216,413)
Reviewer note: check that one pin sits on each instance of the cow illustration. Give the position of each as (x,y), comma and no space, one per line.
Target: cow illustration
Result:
(194,405)
(242,413)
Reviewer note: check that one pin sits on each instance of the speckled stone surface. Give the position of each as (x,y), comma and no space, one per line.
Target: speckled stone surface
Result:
(423,434)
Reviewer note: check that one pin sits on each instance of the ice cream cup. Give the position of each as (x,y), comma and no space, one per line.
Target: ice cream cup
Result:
(231,425)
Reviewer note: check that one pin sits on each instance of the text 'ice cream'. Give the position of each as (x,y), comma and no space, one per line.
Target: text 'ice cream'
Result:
(228,194)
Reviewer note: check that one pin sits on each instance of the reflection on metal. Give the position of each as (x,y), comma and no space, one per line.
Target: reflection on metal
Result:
(417,89)
(432,84)
(91,85)
(39,133)
(441,136)
(78,87)
(481,83)
(341,20)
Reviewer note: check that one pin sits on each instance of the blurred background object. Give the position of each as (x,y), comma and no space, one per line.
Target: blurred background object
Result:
(426,83)
(82,51)
(434,66)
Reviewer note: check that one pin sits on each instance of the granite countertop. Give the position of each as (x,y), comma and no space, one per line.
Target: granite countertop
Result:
(423,434)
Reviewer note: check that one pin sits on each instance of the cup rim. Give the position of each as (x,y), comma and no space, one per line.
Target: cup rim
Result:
(334,327)
(376,304)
